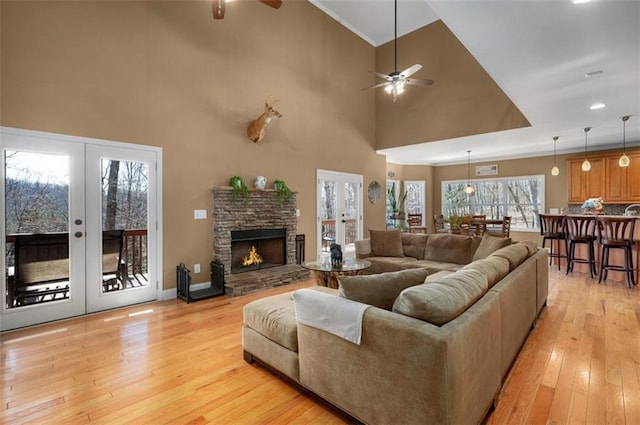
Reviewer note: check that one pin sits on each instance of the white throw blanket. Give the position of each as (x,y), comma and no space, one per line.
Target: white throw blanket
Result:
(338,316)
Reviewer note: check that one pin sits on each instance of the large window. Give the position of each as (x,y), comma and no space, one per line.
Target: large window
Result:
(521,198)
(414,203)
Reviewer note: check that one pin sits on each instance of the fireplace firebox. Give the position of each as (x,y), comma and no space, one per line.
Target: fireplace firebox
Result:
(257,249)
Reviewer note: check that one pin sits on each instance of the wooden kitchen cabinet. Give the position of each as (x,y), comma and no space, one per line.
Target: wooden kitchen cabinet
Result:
(606,179)
(586,184)
(633,177)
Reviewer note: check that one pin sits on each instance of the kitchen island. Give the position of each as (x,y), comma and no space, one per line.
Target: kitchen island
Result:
(616,256)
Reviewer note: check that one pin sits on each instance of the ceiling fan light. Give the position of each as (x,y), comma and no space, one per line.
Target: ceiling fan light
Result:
(469,190)
(388,88)
(399,88)
(586,165)
(555,170)
(624,160)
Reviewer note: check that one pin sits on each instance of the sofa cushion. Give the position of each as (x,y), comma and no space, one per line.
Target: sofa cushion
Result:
(442,300)
(437,275)
(413,244)
(379,290)
(275,318)
(488,245)
(515,254)
(449,248)
(531,246)
(432,266)
(494,268)
(387,264)
(386,243)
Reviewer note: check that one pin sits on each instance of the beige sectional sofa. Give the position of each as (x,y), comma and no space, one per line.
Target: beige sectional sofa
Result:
(434,346)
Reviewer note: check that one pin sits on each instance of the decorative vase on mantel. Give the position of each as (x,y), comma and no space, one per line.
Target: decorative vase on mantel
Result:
(261,182)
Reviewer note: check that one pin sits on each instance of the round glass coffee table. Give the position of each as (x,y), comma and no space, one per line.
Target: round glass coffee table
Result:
(327,274)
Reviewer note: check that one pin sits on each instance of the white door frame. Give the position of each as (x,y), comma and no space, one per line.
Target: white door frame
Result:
(38,141)
(340,178)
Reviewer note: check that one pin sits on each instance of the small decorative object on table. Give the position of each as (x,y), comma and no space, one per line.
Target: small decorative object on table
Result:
(593,206)
(336,254)
(261,182)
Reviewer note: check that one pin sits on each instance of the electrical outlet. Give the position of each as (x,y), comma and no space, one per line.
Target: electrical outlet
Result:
(200,214)
(196,268)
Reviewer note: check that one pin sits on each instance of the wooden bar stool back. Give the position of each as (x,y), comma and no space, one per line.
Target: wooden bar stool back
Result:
(617,233)
(553,228)
(581,229)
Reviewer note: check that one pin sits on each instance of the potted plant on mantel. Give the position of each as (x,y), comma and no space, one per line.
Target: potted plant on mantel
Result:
(238,186)
(283,190)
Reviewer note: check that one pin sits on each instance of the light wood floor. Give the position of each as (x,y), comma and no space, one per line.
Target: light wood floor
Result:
(182,363)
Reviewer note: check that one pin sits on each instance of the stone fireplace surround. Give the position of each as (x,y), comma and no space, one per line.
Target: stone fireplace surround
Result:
(263,211)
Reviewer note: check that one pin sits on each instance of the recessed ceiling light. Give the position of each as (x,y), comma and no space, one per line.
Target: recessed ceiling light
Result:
(593,73)
(579,1)
(597,106)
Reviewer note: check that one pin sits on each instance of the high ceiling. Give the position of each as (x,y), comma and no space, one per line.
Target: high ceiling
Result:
(540,53)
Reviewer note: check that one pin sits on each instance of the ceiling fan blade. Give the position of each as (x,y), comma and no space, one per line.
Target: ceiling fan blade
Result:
(218,7)
(378,74)
(411,70)
(376,86)
(272,3)
(418,82)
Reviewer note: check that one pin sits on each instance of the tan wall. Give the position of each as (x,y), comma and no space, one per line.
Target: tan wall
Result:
(166,74)
(463,101)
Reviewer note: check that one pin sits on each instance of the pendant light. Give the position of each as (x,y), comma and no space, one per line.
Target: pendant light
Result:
(624,159)
(586,165)
(555,170)
(469,190)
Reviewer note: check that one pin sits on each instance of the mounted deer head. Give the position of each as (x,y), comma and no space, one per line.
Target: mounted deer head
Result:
(255,131)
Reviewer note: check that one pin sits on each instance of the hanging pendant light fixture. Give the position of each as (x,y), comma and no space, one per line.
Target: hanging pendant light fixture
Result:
(624,159)
(555,170)
(469,190)
(586,165)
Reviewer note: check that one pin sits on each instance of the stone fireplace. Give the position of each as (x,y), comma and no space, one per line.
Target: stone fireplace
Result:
(262,223)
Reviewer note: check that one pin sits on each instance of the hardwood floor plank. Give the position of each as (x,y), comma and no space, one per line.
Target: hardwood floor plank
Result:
(183,364)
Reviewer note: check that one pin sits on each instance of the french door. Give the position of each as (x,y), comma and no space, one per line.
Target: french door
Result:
(339,211)
(79,224)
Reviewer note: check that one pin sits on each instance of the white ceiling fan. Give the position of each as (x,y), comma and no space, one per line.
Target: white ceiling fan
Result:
(396,81)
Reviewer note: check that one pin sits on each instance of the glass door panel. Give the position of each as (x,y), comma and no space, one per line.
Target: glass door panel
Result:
(339,211)
(43,224)
(120,186)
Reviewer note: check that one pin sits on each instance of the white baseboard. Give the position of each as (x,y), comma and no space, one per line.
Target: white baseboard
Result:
(168,294)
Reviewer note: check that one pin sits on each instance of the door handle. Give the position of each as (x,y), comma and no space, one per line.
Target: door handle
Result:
(78,234)
(344,221)
(78,221)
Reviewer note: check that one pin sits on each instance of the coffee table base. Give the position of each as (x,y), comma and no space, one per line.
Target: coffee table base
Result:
(330,279)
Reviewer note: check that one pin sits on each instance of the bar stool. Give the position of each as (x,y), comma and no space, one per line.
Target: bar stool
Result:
(617,233)
(581,229)
(553,228)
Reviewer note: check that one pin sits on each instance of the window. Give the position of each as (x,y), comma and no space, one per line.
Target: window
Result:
(521,198)
(414,203)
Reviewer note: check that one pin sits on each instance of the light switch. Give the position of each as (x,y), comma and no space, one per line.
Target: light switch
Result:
(200,214)
(196,268)
(298,212)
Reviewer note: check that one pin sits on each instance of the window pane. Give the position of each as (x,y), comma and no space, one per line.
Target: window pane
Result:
(521,198)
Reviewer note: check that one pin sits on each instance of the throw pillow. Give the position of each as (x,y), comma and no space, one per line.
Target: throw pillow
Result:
(488,245)
(442,300)
(379,290)
(386,243)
